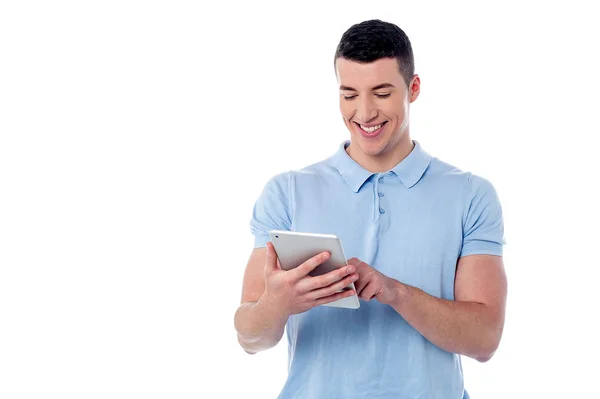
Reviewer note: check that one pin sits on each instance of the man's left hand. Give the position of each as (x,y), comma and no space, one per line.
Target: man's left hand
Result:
(372,284)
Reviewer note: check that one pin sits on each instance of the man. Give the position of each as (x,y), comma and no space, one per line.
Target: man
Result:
(425,239)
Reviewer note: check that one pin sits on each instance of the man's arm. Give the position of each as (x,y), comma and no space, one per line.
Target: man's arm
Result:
(270,295)
(470,325)
(258,324)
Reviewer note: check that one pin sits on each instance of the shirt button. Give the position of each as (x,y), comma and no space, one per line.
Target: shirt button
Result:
(380,194)
(381,210)
(381,179)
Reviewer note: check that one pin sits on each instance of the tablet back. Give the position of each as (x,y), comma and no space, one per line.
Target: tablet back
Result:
(294,248)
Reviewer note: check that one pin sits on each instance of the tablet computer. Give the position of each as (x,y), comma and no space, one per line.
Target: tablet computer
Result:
(294,248)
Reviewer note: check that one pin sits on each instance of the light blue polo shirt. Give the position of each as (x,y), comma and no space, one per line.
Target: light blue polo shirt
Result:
(412,223)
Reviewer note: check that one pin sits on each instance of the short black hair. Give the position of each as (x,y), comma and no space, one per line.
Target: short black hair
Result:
(371,40)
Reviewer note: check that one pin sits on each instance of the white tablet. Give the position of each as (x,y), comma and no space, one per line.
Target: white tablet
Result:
(294,248)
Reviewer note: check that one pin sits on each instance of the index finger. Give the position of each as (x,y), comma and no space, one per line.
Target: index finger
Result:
(310,265)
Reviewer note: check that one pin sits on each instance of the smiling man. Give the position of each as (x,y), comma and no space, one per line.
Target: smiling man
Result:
(425,240)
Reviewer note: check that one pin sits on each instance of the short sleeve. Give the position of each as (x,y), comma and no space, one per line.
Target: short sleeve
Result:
(271,209)
(483,226)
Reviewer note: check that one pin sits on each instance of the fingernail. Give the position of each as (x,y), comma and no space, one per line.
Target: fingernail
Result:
(354,278)
(350,269)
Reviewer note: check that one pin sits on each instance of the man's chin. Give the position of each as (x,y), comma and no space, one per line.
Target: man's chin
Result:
(371,148)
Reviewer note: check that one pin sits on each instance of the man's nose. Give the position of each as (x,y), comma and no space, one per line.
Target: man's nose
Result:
(366,110)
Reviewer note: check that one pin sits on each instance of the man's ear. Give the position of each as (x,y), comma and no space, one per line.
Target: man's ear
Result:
(415,88)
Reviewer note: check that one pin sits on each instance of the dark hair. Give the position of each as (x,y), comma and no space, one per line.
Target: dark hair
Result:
(371,40)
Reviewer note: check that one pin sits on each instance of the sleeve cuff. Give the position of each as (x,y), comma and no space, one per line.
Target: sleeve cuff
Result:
(260,241)
(481,248)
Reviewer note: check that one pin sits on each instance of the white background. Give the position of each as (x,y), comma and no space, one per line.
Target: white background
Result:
(135,137)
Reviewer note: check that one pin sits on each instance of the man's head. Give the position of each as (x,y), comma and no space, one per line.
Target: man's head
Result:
(375,70)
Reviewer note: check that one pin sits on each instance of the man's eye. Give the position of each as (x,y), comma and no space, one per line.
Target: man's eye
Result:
(382,95)
(349,97)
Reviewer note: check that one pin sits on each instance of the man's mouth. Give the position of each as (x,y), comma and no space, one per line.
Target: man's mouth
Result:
(369,130)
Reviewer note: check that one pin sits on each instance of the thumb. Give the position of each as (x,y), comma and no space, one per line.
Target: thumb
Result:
(271,263)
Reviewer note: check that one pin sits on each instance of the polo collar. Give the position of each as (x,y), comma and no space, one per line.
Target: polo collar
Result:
(409,171)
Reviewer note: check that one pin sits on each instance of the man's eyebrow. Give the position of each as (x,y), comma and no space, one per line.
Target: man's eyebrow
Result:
(381,86)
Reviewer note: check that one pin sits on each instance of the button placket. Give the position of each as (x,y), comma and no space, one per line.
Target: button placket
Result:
(380,194)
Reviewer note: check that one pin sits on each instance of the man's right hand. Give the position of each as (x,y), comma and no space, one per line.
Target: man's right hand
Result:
(294,291)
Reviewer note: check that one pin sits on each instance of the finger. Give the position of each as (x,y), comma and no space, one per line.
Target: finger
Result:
(309,265)
(272,263)
(335,297)
(354,261)
(333,288)
(314,283)
(369,291)
(361,284)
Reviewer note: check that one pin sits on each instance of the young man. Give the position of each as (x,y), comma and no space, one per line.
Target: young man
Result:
(425,241)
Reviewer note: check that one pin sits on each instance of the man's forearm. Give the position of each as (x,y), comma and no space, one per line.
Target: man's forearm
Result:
(466,328)
(259,326)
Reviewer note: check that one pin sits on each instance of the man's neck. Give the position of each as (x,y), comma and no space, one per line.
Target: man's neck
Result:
(384,161)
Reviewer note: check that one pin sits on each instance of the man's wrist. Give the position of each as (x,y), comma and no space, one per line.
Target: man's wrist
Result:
(271,310)
(401,291)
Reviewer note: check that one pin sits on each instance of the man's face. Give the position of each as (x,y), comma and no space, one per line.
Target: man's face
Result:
(374,101)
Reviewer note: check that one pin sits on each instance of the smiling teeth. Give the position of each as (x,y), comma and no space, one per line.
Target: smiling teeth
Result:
(371,129)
